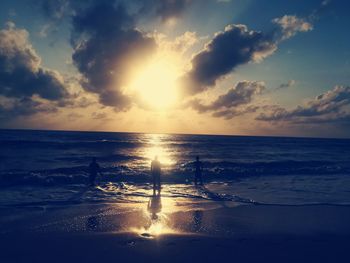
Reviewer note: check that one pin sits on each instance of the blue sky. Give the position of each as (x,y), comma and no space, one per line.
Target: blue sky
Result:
(274,89)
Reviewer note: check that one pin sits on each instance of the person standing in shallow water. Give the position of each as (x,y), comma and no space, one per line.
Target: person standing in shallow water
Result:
(198,172)
(156,171)
(94,168)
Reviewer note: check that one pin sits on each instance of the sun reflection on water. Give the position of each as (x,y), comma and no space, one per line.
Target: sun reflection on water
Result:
(158,149)
(157,221)
(155,212)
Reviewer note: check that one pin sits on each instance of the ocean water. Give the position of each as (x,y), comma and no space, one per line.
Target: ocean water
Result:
(48,168)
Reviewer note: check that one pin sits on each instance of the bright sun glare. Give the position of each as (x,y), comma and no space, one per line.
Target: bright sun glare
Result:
(157,149)
(156,84)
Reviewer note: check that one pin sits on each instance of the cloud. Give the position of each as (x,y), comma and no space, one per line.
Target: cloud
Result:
(44,30)
(287,85)
(11,108)
(331,106)
(55,9)
(226,105)
(171,8)
(21,73)
(99,115)
(231,113)
(73,116)
(290,25)
(165,9)
(325,2)
(106,47)
(106,43)
(234,46)
(320,10)
(180,45)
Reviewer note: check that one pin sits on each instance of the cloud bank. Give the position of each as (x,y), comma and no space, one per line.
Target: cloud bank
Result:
(25,86)
(331,106)
(21,73)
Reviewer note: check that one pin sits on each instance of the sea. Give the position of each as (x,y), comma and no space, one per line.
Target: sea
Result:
(48,168)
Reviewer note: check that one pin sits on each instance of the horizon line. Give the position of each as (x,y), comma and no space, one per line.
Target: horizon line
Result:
(170,133)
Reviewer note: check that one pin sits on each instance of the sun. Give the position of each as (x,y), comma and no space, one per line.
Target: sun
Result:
(155,83)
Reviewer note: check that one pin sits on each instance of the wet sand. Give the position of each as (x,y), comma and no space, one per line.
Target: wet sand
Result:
(176,231)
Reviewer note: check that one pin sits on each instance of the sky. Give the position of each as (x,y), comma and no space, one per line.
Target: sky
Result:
(237,67)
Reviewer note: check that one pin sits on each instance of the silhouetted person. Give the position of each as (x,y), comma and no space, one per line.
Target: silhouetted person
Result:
(94,168)
(198,172)
(156,171)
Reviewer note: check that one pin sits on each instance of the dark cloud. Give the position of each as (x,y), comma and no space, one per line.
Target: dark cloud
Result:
(170,8)
(10,109)
(287,85)
(231,113)
(106,47)
(55,9)
(331,106)
(99,115)
(234,46)
(21,73)
(165,9)
(226,105)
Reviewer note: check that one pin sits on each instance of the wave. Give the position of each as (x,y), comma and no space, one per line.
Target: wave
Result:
(287,167)
(110,193)
(122,192)
(178,173)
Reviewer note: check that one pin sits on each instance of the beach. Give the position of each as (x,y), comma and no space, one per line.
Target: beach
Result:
(188,231)
(264,199)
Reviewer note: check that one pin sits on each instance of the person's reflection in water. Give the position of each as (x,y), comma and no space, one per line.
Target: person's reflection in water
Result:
(197,220)
(154,206)
(156,171)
